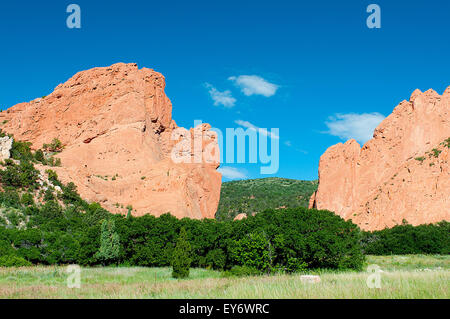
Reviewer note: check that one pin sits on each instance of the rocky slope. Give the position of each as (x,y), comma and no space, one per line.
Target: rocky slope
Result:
(401,173)
(121,145)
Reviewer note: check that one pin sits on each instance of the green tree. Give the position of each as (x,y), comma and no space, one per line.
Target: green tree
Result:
(254,251)
(109,243)
(21,151)
(181,260)
(19,175)
(129,208)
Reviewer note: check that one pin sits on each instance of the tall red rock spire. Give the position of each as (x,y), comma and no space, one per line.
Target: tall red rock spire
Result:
(402,173)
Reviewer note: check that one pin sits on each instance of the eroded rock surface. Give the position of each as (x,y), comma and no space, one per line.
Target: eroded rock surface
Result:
(117,128)
(402,173)
(5,147)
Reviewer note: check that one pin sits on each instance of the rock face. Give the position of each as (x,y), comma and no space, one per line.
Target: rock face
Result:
(5,147)
(401,173)
(121,145)
(240,216)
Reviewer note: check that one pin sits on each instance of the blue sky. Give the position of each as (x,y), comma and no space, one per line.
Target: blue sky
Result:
(324,64)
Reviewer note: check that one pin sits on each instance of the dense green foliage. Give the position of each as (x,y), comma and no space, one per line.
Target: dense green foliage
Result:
(13,261)
(286,240)
(241,271)
(109,243)
(256,195)
(59,227)
(21,151)
(408,239)
(47,222)
(181,259)
(22,175)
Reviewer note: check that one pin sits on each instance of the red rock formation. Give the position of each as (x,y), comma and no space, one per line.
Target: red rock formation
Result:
(116,125)
(240,216)
(387,180)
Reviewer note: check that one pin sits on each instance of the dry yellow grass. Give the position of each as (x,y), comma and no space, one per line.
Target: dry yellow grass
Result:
(402,277)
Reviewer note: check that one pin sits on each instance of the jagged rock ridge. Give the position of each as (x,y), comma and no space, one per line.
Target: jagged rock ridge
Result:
(117,128)
(402,173)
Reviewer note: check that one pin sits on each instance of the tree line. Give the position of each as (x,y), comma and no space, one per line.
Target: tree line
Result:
(49,223)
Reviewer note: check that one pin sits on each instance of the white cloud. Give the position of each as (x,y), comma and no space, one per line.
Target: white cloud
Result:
(224,98)
(231,173)
(352,125)
(254,85)
(288,143)
(262,131)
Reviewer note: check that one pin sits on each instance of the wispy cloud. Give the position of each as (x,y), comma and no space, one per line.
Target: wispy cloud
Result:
(224,98)
(254,85)
(289,144)
(357,126)
(262,131)
(231,172)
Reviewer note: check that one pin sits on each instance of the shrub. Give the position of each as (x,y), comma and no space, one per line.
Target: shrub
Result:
(295,265)
(21,151)
(21,175)
(241,271)
(446,143)
(27,199)
(53,177)
(5,244)
(13,261)
(408,239)
(10,198)
(216,259)
(52,161)
(181,260)
(55,146)
(48,195)
(435,152)
(40,157)
(70,194)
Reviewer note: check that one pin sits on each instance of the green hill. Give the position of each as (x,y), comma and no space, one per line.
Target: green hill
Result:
(257,195)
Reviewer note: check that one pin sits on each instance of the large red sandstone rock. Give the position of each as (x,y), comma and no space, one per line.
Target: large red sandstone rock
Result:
(382,183)
(117,122)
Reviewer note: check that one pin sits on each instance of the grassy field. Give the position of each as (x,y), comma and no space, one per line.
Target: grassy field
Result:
(414,276)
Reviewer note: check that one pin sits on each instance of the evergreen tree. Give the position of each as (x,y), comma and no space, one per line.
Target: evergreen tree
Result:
(129,208)
(109,243)
(181,259)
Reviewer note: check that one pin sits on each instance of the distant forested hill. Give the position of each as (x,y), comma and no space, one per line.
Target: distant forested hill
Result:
(256,195)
